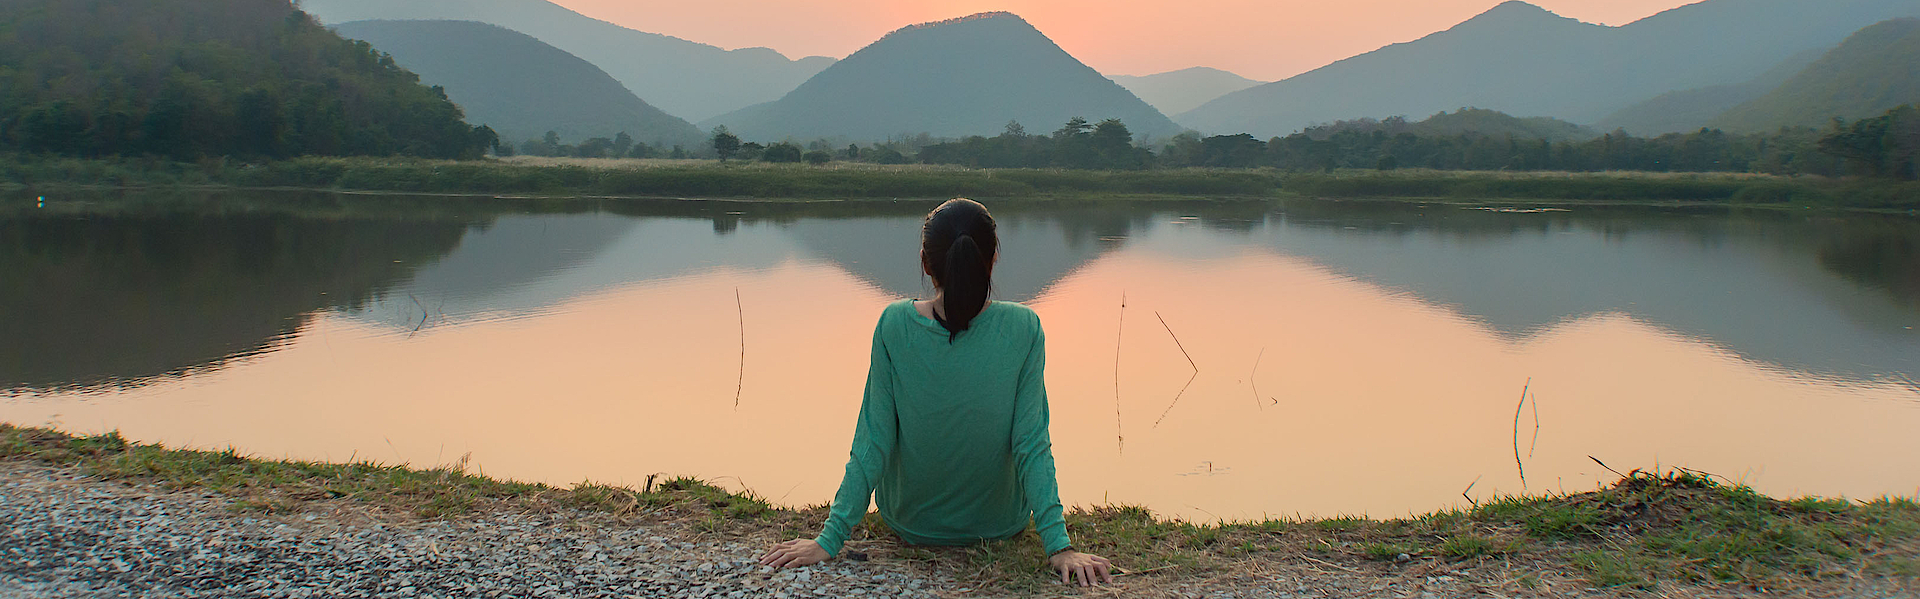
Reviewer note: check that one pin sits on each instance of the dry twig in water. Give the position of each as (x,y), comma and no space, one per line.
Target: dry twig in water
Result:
(740,382)
(1516,435)
(1256,384)
(1119,432)
(1183,352)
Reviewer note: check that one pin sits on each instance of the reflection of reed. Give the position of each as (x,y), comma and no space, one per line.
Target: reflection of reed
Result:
(740,311)
(1119,435)
(1183,352)
(1517,463)
(1255,382)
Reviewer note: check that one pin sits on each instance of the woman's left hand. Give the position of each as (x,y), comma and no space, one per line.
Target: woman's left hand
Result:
(794,553)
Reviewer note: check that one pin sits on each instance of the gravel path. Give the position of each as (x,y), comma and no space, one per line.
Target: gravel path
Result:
(62,536)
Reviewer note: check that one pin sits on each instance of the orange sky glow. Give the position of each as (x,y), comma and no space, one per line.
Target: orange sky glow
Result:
(1260,39)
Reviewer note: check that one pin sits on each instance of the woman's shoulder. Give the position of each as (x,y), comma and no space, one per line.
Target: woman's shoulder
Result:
(1015,312)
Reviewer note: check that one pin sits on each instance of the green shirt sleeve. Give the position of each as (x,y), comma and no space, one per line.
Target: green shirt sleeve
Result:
(874,436)
(1033,447)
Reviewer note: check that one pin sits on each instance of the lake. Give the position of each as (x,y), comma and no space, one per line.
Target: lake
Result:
(1209,360)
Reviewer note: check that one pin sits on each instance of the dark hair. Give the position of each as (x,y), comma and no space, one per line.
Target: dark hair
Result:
(956,247)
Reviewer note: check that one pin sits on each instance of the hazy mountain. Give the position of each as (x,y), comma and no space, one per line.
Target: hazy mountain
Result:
(1688,110)
(1520,59)
(518,85)
(1873,71)
(1179,91)
(687,79)
(966,76)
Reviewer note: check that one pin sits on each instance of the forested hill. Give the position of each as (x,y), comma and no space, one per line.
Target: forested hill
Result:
(1873,71)
(191,78)
(965,76)
(1688,110)
(519,86)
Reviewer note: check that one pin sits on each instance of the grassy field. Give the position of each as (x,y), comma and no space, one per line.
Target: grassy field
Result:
(1678,526)
(708,179)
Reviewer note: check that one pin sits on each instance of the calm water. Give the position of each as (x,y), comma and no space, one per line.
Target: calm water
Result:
(1351,357)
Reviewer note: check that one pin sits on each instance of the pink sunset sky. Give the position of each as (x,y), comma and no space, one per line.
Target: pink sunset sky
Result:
(1261,39)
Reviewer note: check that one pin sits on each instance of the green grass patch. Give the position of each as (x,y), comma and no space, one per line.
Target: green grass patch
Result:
(1647,528)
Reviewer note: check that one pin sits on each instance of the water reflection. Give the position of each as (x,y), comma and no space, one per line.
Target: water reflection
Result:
(570,340)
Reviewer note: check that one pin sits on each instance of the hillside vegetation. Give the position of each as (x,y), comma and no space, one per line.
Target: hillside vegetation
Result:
(1875,70)
(687,79)
(1521,59)
(966,76)
(190,78)
(518,85)
(1688,110)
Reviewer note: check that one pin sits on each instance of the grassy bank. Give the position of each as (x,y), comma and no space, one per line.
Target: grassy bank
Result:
(1646,530)
(697,179)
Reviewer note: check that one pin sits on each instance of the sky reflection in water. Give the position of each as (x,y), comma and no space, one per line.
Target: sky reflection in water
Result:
(602,341)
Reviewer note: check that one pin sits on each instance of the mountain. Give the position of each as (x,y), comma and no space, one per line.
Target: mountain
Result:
(518,85)
(965,76)
(1873,71)
(686,79)
(1179,91)
(195,78)
(1689,110)
(1490,123)
(1521,59)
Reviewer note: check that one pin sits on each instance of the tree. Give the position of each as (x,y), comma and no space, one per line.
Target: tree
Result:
(781,152)
(622,143)
(818,157)
(853,151)
(597,147)
(725,143)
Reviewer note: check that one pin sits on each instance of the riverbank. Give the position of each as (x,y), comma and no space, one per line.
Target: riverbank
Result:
(522,176)
(99,513)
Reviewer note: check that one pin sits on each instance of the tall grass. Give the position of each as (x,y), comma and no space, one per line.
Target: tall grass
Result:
(690,179)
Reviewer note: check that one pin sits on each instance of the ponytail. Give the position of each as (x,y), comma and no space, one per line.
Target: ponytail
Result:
(965,284)
(957,245)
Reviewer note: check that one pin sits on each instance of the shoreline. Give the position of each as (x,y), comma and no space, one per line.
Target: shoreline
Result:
(1677,533)
(682,181)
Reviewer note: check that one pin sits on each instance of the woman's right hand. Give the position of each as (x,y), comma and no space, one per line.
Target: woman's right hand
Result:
(1090,569)
(794,554)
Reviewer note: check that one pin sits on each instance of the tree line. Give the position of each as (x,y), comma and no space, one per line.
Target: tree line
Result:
(192,78)
(1883,146)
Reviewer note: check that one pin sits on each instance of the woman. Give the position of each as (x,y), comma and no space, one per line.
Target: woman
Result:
(952,438)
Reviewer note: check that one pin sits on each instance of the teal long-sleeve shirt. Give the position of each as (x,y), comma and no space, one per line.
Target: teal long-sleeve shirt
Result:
(952,442)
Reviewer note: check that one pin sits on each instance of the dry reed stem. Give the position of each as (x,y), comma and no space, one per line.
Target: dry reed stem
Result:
(1190,362)
(1119,432)
(740,382)
(1516,434)
(1251,379)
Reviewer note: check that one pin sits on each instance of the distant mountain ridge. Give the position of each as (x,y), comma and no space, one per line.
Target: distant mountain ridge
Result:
(1174,92)
(1521,59)
(1876,69)
(518,85)
(965,76)
(689,80)
(1689,110)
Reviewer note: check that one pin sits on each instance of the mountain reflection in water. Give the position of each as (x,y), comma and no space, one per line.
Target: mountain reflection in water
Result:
(561,340)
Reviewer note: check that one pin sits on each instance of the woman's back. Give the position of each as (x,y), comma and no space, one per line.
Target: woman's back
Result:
(952,436)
